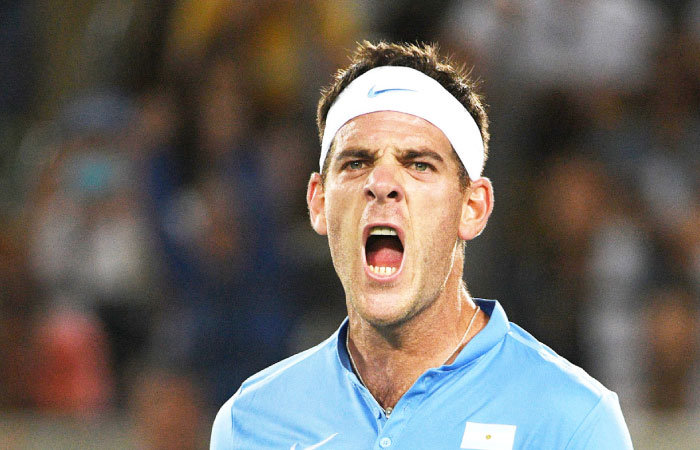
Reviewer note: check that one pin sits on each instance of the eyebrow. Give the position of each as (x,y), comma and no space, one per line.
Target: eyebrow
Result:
(353,153)
(421,154)
(405,155)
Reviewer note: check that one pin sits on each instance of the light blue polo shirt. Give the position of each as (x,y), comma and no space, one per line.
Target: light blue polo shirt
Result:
(505,390)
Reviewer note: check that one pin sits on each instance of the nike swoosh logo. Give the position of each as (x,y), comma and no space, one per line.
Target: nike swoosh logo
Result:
(323,442)
(373,93)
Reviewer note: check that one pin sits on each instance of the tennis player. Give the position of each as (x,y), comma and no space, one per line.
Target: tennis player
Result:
(418,363)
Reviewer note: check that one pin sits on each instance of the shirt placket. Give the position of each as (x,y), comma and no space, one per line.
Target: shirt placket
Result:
(391,428)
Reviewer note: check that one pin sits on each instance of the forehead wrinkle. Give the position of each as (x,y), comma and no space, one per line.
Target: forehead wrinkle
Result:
(354,136)
(360,151)
(401,154)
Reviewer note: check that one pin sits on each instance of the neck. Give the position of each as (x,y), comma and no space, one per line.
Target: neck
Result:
(390,359)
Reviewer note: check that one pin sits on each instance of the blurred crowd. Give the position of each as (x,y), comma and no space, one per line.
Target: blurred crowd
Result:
(154,240)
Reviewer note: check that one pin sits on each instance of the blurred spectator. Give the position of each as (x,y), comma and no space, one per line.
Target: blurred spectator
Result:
(89,238)
(672,327)
(18,306)
(619,271)
(222,258)
(229,317)
(168,412)
(566,208)
(561,44)
(686,246)
(91,45)
(71,375)
(669,167)
(671,363)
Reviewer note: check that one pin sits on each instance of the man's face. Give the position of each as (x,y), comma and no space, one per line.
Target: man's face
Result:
(392,207)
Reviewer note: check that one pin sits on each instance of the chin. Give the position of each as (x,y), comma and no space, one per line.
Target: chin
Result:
(385,311)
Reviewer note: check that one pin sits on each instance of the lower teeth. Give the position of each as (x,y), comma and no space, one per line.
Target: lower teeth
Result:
(380,270)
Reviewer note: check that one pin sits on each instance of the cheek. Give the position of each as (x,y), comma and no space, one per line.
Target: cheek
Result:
(439,227)
(339,222)
(334,224)
(441,239)
(337,217)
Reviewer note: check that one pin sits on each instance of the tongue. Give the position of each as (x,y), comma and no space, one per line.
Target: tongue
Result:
(384,251)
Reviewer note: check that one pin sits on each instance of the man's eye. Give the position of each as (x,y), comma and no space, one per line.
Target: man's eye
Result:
(354,165)
(421,166)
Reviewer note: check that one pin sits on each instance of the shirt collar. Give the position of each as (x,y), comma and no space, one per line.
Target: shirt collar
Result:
(485,340)
(489,336)
(342,350)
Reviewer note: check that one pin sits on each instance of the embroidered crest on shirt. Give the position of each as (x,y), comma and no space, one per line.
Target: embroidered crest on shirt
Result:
(488,436)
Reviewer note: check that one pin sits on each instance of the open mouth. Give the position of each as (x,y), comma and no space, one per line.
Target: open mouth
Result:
(383,251)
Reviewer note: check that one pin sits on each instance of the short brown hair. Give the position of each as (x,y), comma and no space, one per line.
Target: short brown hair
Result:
(422,57)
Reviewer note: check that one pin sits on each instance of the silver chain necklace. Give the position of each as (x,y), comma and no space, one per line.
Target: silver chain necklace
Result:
(387,411)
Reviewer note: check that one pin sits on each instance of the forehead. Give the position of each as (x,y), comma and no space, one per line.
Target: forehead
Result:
(391,129)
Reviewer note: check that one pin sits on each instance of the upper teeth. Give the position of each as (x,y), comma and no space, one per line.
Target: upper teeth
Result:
(383,231)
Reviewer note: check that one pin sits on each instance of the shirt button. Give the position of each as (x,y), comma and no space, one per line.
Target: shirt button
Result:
(385,442)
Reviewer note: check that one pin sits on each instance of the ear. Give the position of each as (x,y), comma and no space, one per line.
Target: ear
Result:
(316,201)
(477,205)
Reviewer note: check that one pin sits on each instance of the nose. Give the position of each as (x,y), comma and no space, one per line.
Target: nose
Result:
(383,184)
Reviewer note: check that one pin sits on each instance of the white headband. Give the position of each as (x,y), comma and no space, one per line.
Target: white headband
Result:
(406,90)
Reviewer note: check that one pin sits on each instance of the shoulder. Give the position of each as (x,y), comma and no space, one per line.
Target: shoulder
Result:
(281,383)
(222,430)
(561,392)
(293,370)
(558,382)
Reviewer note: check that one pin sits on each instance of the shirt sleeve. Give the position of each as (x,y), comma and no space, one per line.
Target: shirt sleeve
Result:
(222,430)
(604,428)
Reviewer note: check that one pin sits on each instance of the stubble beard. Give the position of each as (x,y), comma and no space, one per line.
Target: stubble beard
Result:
(421,298)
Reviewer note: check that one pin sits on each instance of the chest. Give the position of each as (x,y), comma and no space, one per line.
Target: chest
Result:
(440,411)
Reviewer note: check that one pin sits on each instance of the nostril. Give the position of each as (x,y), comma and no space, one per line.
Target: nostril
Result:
(393,194)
